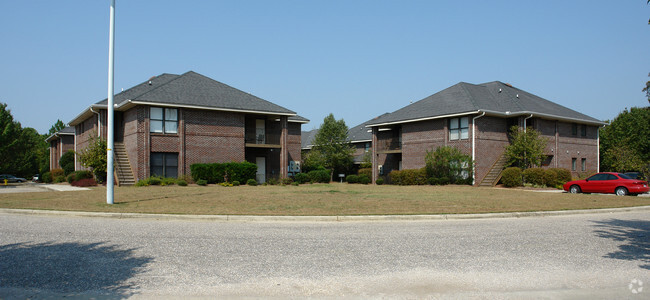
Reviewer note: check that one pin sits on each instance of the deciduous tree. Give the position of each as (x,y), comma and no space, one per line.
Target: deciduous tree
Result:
(526,148)
(331,141)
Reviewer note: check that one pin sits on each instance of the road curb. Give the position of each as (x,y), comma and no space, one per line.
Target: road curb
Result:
(359,218)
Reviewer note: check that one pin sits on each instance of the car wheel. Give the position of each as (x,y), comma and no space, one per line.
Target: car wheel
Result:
(574,189)
(620,191)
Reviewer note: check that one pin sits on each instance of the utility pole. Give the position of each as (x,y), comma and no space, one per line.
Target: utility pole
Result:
(110,121)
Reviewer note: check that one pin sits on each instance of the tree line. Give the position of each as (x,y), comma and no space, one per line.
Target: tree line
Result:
(23,151)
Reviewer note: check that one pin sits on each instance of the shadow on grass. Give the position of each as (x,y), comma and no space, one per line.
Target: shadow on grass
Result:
(635,238)
(70,268)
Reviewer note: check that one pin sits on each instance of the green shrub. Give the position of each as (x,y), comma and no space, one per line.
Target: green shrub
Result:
(379,181)
(286,181)
(364,179)
(352,179)
(365,171)
(181,182)
(511,177)
(550,178)
(534,176)
(295,183)
(322,176)
(408,177)
(79,175)
(251,182)
(46,177)
(433,181)
(142,182)
(235,183)
(67,162)
(221,172)
(56,173)
(444,180)
(301,178)
(202,182)
(272,181)
(167,181)
(563,175)
(154,181)
(70,178)
(59,179)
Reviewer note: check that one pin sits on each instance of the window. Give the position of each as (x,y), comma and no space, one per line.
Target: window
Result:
(459,128)
(163,120)
(574,129)
(583,164)
(574,161)
(164,164)
(367,146)
(583,130)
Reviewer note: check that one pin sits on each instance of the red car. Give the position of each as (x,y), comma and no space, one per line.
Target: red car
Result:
(607,182)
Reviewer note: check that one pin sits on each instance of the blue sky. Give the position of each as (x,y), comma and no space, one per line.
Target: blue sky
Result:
(356,59)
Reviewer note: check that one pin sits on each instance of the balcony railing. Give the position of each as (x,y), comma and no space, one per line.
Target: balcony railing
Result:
(261,139)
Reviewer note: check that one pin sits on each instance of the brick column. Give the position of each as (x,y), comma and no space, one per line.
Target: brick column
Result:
(375,170)
(284,151)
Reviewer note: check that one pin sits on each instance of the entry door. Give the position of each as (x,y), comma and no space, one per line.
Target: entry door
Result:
(260,132)
(260,176)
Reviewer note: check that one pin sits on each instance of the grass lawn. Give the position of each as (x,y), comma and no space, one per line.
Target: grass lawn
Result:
(313,199)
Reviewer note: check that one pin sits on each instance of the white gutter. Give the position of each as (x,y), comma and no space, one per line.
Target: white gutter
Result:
(99,122)
(129,103)
(425,119)
(495,113)
(474,146)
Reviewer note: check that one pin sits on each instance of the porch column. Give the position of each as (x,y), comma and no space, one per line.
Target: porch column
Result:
(375,170)
(284,151)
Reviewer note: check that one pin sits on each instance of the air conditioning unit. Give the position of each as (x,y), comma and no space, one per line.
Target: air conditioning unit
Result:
(294,166)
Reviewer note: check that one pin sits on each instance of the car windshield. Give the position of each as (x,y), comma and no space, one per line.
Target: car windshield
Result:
(624,176)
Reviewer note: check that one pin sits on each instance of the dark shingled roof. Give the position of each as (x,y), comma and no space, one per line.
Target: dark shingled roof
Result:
(307,138)
(495,97)
(193,89)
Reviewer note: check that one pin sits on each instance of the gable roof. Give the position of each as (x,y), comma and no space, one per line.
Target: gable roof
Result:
(493,98)
(191,90)
(68,130)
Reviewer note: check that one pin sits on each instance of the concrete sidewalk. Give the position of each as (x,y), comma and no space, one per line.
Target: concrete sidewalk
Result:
(63,188)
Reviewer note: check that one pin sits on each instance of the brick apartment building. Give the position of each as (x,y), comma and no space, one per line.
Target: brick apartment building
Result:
(60,143)
(476,119)
(169,122)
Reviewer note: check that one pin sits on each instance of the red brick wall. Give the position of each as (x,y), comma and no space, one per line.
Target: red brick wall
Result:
(213,136)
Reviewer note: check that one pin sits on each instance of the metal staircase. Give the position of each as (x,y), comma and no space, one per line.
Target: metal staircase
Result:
(123,172)
(493,176)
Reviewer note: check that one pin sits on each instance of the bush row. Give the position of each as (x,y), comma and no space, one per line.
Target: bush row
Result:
(363,179)
(419,177)
(163,181)
(223,172)
(555,177)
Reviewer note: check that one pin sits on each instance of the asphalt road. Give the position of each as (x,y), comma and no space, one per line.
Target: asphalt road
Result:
(584,256)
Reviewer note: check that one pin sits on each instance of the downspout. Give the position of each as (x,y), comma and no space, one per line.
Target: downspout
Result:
(99,122)
(531,115)
(474,146)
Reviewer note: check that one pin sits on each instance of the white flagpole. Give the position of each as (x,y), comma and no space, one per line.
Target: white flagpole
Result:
(110,121)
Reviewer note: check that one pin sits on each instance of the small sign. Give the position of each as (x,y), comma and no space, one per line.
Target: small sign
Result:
(341,175)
